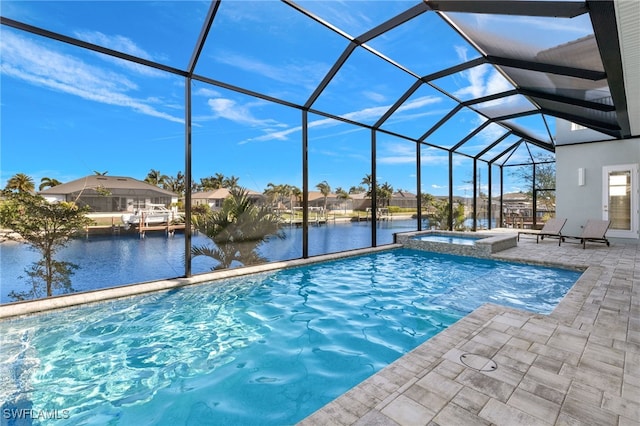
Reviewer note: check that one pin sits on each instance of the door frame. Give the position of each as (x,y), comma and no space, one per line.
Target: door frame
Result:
(633,168)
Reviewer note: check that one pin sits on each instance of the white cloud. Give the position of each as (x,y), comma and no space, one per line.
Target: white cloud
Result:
(242,113)
(419,103)
(33,63)
(461,51)
(305,75)
(206,92)
(230,110)
(125,45)
(374,96)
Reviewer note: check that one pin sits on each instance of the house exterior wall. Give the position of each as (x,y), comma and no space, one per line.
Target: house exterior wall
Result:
(579,203)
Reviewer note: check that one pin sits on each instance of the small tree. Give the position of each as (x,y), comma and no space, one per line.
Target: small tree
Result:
(237,229)
(46,227)
(440,216)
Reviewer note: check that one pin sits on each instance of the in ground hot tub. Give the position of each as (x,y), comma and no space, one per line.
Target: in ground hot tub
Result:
(454,242)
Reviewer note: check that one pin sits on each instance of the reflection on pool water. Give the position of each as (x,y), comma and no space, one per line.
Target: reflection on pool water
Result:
(449,239)
(265,349)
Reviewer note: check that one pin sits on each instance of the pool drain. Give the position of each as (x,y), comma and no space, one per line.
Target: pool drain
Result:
(478,362)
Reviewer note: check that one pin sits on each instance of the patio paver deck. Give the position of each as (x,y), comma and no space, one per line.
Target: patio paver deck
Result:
(501,366)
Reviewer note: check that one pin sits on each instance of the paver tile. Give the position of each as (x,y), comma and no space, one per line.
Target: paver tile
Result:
(501,414)
(556,353)
(454,415)
(470,399)
(375,418)
(589,413)
(622,406)
(407,412)
(554,381)
(443,386)
(536,406)
(489,386)
(449,369)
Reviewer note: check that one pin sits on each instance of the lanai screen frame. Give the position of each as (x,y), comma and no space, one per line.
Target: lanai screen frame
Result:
(602,27)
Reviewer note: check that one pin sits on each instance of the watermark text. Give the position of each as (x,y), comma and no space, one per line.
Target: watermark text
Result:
(30,413)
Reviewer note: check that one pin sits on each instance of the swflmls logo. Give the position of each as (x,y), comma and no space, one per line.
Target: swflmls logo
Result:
(24,413)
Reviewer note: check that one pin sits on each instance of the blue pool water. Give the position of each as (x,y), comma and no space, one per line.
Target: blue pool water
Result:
(266,349)
(449,239)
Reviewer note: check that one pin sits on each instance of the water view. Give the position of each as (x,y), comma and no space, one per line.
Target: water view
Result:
(107,261)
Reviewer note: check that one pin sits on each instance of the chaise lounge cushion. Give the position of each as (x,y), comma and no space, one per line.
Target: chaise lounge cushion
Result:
(553,228)
(594,231)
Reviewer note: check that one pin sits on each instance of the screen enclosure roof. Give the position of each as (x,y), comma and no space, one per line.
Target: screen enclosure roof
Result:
(480,78)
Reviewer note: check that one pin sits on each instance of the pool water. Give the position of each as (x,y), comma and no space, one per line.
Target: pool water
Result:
(266,349)
(449,239)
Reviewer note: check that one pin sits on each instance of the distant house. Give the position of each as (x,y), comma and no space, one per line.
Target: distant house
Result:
(400,199)
(518,210)
(110,193)
(517,204)
(215,198)
(360,201)
(316,200)
(404,199)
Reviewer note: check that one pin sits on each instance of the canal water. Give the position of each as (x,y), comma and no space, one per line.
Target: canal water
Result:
(108,261)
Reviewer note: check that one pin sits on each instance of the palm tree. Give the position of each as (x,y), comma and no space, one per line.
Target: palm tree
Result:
(236,230)
(287,193)
(47,182)
(325,190)
(296,193)
(385,192)
(20,182)
(174,184)
(95,172)
(273,193)
(211,183)
(154,177)
(230,182)
(343,195)
(366,180)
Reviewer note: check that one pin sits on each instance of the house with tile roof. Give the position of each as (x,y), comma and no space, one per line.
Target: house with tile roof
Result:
(216,197)
(108,194)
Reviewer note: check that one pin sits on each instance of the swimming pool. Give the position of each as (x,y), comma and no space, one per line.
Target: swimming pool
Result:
(265,349)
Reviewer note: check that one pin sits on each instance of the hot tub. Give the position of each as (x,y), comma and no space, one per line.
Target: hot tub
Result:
(455,242)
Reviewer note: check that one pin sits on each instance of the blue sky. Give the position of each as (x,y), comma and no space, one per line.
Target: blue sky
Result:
(67,112)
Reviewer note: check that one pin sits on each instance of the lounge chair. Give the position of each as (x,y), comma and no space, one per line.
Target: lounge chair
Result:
(594,231)
(553,228)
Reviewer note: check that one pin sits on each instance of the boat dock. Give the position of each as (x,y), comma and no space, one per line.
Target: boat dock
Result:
(298,222)
(141,230)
